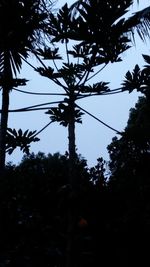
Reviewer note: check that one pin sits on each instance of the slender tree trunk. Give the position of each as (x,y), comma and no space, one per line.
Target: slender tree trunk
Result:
(70,257)
(3,128)
(72,146)
(4,113)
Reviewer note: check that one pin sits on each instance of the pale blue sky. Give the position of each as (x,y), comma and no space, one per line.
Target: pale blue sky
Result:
(92,137)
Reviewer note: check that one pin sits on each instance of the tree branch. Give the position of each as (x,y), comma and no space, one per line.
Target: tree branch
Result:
(34,93)
(31,108)
(118,132)
(42,129)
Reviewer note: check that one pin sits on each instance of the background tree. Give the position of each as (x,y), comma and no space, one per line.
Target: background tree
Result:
(129,164)
(134,143)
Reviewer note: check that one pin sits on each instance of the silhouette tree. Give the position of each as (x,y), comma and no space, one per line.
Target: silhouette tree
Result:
(18,37)
(92,47)
(131,149)
(129,164)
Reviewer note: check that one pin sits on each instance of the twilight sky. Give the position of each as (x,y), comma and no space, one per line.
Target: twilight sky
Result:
(92,137)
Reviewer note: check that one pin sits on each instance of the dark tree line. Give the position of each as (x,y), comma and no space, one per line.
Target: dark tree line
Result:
(129,165)
(33,211)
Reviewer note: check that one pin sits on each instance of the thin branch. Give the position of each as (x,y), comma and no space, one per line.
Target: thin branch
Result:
(42,129)
(99,120)
(60,84)
(117,89)
(87,74)
(54,80)
(78,60)
(28,63)
(39,59)
(96,72)
(67,52)
(34,93)
(111,92)
(86,77)
(55,65)
(78,83)
(44,104)
(35,106)
(28,110)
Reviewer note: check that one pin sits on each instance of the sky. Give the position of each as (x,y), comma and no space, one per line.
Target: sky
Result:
(92,138)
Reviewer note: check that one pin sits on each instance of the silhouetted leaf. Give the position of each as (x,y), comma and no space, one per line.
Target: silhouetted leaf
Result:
(48,53)
(63,115)
(19,139)
(132,80)
(13,83)
(146,58)
(98,88)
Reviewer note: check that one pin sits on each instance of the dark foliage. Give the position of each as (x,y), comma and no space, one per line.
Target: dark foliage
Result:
(111,215)
(33,211)
(19,139)
(63,114)
(129,182)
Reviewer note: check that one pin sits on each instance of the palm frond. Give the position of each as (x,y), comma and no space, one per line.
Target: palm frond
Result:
(140,22)
(22,30)
(75,7)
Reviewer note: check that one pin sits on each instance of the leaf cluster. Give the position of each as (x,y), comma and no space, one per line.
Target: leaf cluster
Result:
(92,54)
(21,31)
(138,79)
(48,53)
(101,26)
(19,139)
(99,88)
(60,25)
(12,83)
(98,173)
(63,114)
(94,26)
(48,72)
(71,71)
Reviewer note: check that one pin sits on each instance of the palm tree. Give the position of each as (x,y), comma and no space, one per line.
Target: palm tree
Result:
(102,34)
(20,26)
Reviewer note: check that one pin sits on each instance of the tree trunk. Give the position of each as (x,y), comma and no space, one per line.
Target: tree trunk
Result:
(72,209)
(7,77)
(3,128)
